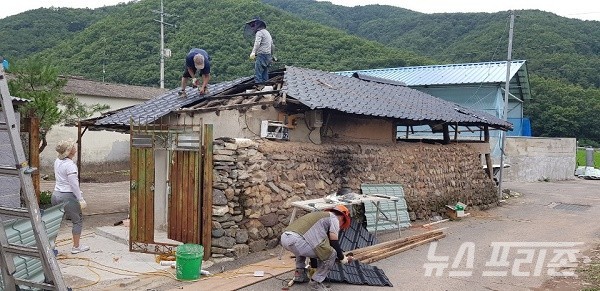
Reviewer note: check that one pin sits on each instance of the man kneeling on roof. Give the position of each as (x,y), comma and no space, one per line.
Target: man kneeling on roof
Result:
(315,236)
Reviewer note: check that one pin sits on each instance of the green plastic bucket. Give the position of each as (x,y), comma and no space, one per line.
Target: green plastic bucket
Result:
(188,258)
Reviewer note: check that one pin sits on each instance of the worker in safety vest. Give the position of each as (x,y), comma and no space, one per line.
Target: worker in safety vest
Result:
(315,235)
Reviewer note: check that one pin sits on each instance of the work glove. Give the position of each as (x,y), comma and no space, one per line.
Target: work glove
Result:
(344,260)
(195,82)
(203,90)
(347,259)
(252,56)
(82,203)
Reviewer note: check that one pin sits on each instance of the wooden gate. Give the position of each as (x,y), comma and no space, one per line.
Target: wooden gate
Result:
(141,197)
(189,176)
(185,180)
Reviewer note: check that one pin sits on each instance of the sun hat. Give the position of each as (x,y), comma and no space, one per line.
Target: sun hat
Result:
(64,148)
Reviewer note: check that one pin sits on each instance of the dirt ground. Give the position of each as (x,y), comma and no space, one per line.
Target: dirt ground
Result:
(108,204)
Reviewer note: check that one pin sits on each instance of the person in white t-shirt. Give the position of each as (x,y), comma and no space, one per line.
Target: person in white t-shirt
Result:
(66,190)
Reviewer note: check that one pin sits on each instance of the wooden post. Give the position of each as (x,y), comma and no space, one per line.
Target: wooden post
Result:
(34,153)
(207,189)
(79,135)
(488,157)
(446,133)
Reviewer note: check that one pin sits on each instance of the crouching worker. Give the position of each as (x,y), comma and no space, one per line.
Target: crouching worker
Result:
(315,236)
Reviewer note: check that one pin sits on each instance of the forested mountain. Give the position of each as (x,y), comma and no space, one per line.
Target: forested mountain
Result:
(36,30)
(124,46)
(554,46)
(121,44)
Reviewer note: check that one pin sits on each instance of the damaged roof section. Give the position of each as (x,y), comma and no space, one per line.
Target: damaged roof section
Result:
(152,110)
(310,89)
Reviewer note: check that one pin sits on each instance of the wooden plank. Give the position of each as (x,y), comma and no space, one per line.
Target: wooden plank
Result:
(243,276)
(149,200)
(196,213)
(397,241)
(177,197)
(402,249)
(390,248)
(133,176)
(34,152)
(141,194)
(207,184)
(185,194)
(173,196)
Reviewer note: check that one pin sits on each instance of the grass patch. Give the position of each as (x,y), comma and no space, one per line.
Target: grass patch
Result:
(580,158)
(591,275)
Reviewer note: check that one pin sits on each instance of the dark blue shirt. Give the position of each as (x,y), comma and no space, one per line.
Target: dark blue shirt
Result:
(189,60)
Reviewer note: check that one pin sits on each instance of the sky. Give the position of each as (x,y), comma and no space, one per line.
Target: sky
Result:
(580,9)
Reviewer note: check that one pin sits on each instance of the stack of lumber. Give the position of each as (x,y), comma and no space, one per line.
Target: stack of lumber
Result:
(381,251)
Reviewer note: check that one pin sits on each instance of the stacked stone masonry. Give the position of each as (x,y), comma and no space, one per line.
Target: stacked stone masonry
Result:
(255,183)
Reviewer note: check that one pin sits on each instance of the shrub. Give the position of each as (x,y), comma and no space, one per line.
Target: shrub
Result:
(45,198)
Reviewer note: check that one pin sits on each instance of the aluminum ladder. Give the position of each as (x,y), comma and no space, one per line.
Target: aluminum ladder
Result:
(54,279)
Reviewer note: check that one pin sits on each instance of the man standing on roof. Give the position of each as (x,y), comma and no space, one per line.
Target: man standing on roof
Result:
(262,51)
(315,235)
(196,60)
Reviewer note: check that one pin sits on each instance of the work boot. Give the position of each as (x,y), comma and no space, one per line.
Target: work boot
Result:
(300,276)
(318,286)
(182,93)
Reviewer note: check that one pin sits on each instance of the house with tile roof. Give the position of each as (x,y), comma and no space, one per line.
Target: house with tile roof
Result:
(477,86)
(101,146)
(242,153)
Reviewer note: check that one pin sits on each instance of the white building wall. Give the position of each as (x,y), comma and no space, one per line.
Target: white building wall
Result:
(97,146)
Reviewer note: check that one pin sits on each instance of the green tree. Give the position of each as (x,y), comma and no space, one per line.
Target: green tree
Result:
(40,83)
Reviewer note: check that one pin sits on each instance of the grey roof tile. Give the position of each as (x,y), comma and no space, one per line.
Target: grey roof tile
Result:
(318,89)
(355,237)
(153,109)
(358,273)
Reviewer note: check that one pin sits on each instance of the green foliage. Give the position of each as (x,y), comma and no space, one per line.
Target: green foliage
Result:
(564,110)
(562,54)
(121,44)
(40,83)
(36,30)
(74,110)
(581,157)
(45,198)
(124,46)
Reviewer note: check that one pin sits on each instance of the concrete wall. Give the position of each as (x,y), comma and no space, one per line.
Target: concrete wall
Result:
(97,146)
(536,159)
(255,183)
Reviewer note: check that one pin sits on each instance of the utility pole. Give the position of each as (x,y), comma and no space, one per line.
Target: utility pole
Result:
(163,52)
(506,93)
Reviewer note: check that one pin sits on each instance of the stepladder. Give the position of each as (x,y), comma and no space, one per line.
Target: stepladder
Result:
(10,251)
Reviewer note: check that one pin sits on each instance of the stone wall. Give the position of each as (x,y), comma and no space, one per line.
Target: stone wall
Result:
(255,183)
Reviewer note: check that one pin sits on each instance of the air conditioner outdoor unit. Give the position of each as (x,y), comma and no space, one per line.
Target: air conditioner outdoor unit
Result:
(274,130)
